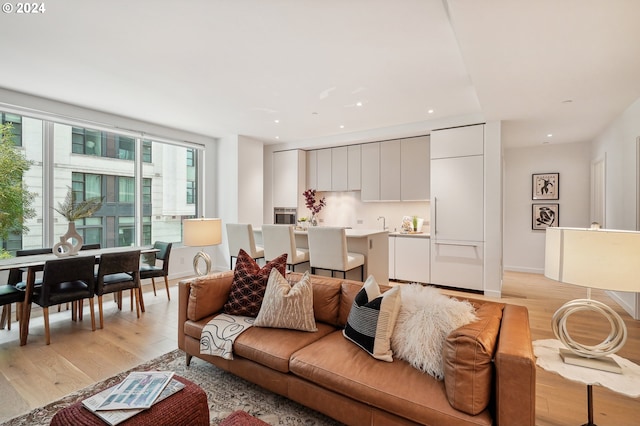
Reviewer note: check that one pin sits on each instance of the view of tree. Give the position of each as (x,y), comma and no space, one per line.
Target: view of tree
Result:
(15,198)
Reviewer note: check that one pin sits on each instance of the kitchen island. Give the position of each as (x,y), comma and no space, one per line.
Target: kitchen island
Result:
(372,243)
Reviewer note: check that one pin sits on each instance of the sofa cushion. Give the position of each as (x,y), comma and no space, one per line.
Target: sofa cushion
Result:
(425,320)
(372,318)
(326,297)
(249,284)
(208,294)
(336,364)
(273,347)
(287,306)
(467,360)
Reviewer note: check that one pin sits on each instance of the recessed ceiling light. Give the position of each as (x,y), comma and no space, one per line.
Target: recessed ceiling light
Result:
(358,103)
(430,111)
(276,121)
(549,135)
(277,137)
(342,126)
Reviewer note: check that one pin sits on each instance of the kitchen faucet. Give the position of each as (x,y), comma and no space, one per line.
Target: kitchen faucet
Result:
(384,222)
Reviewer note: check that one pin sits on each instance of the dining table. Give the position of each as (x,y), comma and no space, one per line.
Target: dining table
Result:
(35,263)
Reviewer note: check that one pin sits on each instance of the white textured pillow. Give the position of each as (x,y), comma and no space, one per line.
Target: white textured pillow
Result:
(286,306)
(426,318)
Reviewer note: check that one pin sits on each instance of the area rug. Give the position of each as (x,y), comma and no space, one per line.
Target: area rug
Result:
(226,394)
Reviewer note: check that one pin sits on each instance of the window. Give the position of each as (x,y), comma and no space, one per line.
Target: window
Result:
(100,163)
(16,122)
(191,192)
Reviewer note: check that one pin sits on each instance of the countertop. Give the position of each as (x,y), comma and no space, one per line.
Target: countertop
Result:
(352,233)
(416,235)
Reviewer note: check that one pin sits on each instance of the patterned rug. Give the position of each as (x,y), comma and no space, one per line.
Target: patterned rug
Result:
(226,393)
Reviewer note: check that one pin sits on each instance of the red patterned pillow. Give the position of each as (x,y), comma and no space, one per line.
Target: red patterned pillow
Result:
(250,283)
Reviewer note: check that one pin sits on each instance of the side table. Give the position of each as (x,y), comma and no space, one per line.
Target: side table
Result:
(627,383)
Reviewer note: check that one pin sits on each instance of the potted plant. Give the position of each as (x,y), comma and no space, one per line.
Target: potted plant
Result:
(73,210)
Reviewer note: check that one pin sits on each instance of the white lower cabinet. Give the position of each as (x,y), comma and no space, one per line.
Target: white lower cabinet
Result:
(392,258)
(411,258)
(457,264)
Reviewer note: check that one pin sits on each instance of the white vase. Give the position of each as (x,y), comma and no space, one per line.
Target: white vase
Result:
(70,243)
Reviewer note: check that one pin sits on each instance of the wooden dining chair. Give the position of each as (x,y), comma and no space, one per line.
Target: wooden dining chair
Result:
(118,272)
(15,282)
(66,280)
(151,270)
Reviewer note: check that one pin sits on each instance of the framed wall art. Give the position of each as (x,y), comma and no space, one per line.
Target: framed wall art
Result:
(545,186)
(545,216)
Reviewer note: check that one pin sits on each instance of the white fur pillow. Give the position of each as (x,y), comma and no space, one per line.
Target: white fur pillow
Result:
(425,320)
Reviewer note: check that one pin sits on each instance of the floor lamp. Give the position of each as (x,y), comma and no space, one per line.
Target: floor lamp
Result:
(593,258)
(200,233)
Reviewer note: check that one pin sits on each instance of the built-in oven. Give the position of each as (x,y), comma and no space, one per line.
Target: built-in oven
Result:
(285,215)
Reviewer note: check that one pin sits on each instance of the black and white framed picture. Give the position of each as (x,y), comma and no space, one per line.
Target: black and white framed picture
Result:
(545,186)
(545,216)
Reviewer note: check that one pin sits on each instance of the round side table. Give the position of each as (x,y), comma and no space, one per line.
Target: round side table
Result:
(627,383)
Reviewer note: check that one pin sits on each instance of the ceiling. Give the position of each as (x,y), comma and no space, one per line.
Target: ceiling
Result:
(297,70)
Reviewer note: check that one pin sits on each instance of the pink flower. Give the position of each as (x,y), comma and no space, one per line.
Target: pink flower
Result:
(310,201)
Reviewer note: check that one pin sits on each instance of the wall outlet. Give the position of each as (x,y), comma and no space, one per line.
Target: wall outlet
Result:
(359,221)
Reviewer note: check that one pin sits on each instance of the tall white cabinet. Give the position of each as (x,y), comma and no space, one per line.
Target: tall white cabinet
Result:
(457,207)
(289,173)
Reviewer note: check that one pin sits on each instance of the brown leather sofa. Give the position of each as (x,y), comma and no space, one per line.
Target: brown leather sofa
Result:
(489,365)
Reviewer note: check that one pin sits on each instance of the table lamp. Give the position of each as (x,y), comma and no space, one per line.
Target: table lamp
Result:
(593,258)
(199,233)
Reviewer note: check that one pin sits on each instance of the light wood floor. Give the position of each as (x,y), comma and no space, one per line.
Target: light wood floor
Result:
(35,374)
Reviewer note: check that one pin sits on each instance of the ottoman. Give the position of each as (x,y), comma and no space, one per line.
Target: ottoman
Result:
(187,407)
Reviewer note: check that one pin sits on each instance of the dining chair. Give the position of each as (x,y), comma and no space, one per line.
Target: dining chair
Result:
(279,239)
(9,294)
(153,271)
(64,280)
(117,272)
(328,251)
(240,236)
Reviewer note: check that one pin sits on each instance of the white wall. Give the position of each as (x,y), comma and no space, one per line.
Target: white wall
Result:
(524,247)
(618,144)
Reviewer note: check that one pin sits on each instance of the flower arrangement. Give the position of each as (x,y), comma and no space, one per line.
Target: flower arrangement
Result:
(73,210)
(310,201)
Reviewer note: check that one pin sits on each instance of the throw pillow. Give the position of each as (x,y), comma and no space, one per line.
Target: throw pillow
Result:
(287,306)
(425,320)
(372,318)
(249,284)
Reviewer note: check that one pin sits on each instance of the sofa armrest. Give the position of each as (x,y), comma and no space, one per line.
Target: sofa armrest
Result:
(201,297)
(515,370)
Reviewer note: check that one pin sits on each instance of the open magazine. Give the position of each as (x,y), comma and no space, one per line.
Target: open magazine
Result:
(114,417)
(137,390)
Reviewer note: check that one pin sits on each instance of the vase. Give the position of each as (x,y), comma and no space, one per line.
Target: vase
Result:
(314,220)
(70,243)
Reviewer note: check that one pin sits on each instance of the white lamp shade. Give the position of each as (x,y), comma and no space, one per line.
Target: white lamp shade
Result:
(604,259)
(202,232)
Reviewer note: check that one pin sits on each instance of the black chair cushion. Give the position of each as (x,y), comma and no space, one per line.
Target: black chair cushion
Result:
(68,291)
(22,285)
(117,278)
(10,294)
(147,271)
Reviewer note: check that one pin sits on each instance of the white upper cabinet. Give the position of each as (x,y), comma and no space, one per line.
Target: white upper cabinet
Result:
(339,169)
(458,142)
(370,172)
(324,170)
(415,169)
(312,169)
(353,167)
(288,177)
(390,170)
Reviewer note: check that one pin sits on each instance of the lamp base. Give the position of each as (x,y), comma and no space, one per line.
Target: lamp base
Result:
(605,363)
(207,261)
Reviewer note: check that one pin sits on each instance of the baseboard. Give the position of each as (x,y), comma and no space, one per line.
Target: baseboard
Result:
(631,310)
(524,269)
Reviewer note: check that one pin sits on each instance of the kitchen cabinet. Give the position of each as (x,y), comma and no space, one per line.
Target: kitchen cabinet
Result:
(411,258)
(392,257)
(339,168)
(415,169)
(353,167)
(312,169)
(457,207)
(370,172)
(324,169)
(390,171)
(289,172)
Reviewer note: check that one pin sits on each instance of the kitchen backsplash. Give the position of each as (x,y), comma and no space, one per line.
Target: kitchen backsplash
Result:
(346,209)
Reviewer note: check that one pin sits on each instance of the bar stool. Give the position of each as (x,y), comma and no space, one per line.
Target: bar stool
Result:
(280,239)
(328,251)
(240,236)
